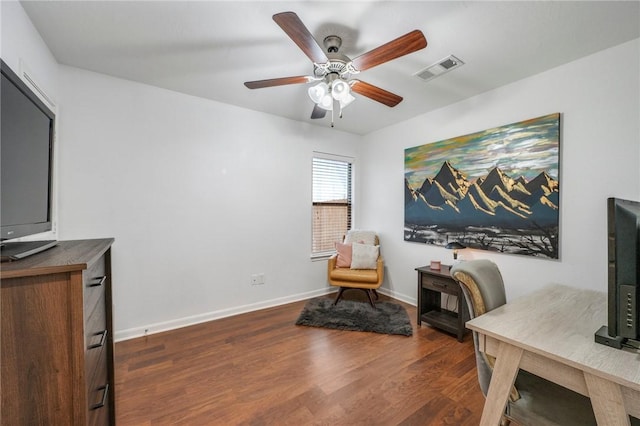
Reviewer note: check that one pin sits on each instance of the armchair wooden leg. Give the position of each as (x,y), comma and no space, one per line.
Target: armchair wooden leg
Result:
(342,289)
(369,292)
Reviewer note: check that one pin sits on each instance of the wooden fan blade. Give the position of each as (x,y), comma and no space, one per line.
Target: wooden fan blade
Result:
(401,46)
(375,93)
(318,112)
(259,84)
(295,29)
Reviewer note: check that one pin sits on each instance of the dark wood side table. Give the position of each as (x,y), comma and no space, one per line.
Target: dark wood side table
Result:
(432,284)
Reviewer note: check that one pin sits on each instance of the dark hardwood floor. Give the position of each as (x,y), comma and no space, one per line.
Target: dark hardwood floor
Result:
(261,369)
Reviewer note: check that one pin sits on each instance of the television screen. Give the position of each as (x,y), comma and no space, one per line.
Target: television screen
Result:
(27,127)
(622,330)
(625,262)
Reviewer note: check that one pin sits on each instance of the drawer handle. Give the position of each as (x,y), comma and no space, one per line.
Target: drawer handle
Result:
(103,401)
(102,339)
(98,283)
(439,284)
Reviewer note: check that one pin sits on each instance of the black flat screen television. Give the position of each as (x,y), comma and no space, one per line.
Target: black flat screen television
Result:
(622,330)
(26,167)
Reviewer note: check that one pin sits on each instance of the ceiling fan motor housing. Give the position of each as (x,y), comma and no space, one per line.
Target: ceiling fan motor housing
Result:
(337,63)
(332,43)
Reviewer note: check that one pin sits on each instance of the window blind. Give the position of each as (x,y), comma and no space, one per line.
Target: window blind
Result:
(331,203)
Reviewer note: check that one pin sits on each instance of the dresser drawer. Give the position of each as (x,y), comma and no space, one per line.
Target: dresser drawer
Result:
(98,393)
(442,285)
(94,280)
(96,339)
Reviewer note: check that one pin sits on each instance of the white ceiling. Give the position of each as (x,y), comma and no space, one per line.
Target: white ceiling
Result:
(209,48)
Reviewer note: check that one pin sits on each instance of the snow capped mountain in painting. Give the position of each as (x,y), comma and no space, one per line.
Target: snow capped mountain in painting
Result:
(450,200)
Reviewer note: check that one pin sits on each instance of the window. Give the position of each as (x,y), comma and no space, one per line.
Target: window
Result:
(332,178)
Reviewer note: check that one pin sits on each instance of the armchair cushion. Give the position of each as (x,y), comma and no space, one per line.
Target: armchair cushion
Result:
(353,276)
(364,256)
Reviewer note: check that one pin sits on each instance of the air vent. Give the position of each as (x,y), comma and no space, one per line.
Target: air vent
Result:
(425,74)
(442,66)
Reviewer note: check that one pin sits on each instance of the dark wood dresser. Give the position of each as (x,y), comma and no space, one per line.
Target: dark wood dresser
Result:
(57,336)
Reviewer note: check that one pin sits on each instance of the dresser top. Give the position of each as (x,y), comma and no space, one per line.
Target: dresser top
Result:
(67,256)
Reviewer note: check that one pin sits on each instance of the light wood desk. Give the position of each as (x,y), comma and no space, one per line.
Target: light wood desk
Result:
(551,334)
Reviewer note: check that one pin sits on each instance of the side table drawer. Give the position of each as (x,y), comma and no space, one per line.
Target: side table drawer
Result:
(440,284)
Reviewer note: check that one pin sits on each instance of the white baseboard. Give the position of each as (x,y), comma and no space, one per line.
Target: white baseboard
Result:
(146,330)
(398,296)
(159,327)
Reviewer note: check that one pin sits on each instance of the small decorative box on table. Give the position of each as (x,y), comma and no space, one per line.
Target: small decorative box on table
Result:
(432,284)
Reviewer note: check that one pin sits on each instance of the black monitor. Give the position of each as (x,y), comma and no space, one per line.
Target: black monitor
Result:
(623,233)
(26,156)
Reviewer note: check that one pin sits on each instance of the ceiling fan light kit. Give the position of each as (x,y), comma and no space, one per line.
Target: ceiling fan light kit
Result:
(318,92)
(334,70)
(323,94)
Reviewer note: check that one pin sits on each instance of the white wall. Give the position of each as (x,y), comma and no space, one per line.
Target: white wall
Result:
(198,195)
(598,97)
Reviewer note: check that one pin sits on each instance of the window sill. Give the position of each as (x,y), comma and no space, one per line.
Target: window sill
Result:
(321,256)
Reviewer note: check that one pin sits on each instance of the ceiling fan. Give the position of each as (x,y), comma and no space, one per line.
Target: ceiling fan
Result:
(333,70)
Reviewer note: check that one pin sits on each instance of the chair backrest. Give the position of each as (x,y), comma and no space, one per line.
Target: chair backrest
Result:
(483,288)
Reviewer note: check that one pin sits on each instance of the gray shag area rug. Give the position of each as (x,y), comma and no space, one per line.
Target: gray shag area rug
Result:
(387,318)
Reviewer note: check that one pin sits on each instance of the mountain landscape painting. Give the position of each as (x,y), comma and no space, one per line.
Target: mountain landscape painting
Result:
(496,190)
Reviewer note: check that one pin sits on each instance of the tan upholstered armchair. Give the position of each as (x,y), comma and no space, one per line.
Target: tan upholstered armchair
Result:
(368,280)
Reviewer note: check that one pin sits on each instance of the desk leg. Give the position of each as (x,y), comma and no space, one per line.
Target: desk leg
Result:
(502,379)
(607,402)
